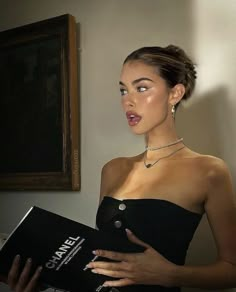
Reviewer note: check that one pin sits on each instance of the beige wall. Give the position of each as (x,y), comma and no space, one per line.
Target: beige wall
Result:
(110,29)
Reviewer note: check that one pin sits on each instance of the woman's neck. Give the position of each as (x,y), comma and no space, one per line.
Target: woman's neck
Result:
(161,136)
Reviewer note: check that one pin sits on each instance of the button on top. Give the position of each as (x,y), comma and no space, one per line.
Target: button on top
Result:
(122,207)
(118,224)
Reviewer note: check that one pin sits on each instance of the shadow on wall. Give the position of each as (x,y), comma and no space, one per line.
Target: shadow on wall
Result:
(207,127)
(205,123)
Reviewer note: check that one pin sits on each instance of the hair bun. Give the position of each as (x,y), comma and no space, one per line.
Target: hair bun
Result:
(180,54)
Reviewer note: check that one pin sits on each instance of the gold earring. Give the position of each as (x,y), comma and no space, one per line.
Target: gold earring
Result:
(173,111)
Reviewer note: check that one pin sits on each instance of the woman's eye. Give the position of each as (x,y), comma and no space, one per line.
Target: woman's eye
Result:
(141,88)
(123,91)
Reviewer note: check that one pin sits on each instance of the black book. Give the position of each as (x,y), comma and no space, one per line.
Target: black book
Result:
(63,248)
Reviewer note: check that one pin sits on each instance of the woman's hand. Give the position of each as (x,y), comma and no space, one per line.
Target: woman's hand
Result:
(22,282)
(148,268)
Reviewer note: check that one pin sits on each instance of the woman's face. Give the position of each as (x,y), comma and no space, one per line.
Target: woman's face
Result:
(145,97)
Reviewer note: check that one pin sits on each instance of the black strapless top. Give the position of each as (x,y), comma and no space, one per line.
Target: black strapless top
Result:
(165,226)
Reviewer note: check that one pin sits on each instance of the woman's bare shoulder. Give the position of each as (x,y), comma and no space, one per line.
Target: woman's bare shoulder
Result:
(119,163)
(111,172)
(111,166)
(212,166)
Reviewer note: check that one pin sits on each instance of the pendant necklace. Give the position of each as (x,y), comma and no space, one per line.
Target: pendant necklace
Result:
(149,165)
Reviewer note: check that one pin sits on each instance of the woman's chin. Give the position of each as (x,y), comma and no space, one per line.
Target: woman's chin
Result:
(137,131)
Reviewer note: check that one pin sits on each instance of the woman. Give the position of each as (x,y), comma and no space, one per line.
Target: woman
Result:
(157,198)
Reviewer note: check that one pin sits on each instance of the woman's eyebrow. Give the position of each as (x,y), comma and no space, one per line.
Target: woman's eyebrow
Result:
(137,80)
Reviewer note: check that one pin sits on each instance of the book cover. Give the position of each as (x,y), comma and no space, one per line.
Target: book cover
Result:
(63,248)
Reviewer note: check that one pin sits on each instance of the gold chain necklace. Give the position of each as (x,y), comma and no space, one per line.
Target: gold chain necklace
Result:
(148,165)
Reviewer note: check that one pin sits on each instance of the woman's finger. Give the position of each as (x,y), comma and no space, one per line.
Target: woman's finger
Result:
(112,266)
(116,256)
(118,283)
(33,283)
(14,272)
(135,239)
(113,274)
(24,276)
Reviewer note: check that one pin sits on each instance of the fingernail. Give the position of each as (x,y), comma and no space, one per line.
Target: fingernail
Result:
(29,260)
(105,284)
(95,252)
(39,270)
(94,271)
(128,231)
(17,257)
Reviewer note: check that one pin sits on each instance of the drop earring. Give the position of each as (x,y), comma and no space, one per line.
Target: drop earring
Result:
(173,111)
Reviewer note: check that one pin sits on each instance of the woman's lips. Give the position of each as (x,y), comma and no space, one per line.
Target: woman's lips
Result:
(133,118)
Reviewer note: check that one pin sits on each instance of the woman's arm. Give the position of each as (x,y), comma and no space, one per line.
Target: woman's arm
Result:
(220,207)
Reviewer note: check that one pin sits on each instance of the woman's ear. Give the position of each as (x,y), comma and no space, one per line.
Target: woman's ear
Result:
(177,93)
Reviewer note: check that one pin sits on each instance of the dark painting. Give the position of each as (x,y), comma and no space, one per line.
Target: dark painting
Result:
(35,109)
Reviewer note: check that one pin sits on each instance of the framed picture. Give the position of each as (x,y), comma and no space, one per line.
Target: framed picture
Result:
(39,106)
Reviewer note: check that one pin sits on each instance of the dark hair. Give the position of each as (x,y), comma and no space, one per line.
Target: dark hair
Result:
(172,64)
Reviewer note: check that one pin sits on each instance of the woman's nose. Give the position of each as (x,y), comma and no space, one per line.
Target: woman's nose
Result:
(129,99)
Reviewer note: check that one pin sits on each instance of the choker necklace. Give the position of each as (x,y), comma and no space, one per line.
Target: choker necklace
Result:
(164,146)
(148,165)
